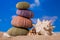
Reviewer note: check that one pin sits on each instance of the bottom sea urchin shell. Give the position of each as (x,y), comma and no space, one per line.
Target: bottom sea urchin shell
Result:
(17,31)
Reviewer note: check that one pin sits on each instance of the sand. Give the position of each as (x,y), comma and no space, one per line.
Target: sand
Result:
(32,37)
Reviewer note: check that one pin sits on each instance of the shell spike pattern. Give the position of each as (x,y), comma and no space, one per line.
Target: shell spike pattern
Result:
(38,21)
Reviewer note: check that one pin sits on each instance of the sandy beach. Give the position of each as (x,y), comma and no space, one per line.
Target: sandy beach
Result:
(32,37)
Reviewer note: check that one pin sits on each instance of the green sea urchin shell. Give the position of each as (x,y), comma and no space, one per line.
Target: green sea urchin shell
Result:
(22,5)
(17,31)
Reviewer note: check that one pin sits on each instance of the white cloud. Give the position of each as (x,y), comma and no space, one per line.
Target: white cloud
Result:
(50,18)
(36,3)
(32,5)
(13,16)
(53,19)
(34,20)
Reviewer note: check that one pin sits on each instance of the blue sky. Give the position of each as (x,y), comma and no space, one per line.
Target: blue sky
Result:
(40,8)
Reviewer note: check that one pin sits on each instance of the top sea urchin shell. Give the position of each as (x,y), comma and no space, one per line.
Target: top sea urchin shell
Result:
(22,5)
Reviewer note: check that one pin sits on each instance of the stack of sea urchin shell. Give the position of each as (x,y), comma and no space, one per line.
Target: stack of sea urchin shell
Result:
(22,22)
